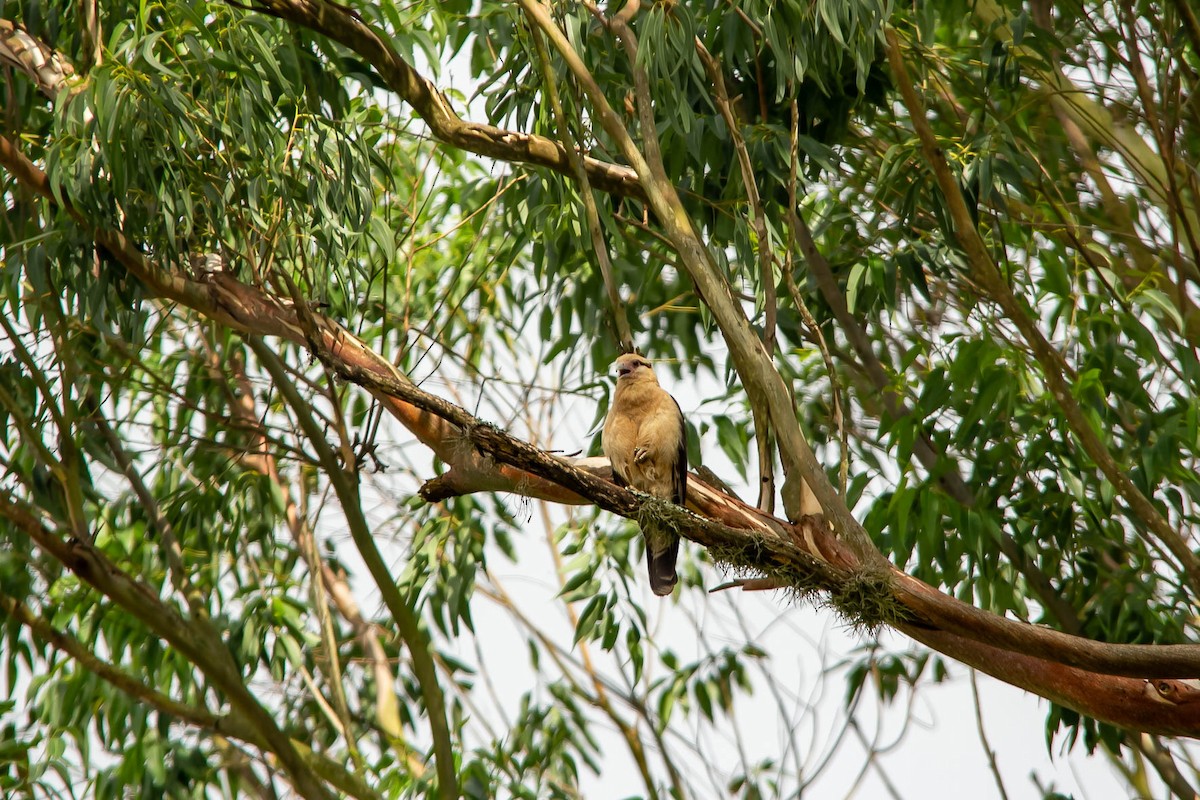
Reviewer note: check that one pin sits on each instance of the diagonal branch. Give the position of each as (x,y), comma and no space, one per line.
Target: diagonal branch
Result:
(761,380)
(347,29)
(52,74)
(345,486)
(259,456)
(620,316)
(1052,362)
(810,555)
(233,724)
(198,642)
(896,408)
(766,257)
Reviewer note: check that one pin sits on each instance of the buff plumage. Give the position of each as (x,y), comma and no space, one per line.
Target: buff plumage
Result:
(645,440)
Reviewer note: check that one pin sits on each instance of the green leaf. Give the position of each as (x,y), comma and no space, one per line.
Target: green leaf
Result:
(588,618)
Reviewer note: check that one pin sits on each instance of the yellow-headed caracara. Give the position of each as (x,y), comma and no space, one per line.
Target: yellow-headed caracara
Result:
(645,439)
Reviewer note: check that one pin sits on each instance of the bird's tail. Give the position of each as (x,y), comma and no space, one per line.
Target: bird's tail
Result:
(661,566)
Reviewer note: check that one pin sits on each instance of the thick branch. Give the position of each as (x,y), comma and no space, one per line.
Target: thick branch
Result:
(345,28)
(1082,674)
(1165,707)
(811,549)
(52,74)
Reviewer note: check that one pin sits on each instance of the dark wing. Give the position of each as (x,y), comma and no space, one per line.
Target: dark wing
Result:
(679,478)
(617,477)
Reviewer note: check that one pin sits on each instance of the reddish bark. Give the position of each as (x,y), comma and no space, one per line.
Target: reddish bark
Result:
(1127,685)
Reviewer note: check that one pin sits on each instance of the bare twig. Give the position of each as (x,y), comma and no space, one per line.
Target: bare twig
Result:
(987,748)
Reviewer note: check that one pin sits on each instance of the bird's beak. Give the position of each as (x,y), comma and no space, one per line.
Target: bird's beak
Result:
(624,370)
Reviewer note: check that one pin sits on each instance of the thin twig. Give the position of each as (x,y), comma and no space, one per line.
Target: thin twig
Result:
(839,406)
(619,314)
(987,747)
(766,260)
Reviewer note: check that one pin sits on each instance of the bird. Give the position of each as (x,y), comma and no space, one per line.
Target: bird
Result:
(645,439)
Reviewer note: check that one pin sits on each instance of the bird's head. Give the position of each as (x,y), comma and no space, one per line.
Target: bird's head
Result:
(633,368)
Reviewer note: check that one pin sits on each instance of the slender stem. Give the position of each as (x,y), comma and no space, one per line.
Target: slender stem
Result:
(415,637)
(620,316)
(987,747)
(194,638)
(162,525)
(766,260)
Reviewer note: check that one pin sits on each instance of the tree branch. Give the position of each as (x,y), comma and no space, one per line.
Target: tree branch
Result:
(345,28)
(416,639)
(194,640)
(760,379)
(1053,364)
(620,315)
(809,554)
(261,459)
(766,258)
(232,725)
